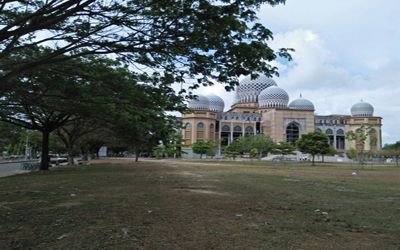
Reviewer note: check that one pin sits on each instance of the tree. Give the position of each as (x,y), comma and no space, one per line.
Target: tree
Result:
(35,104)
(253,153)
(392,150)
(314,143)
(172,148)
(284,148)
(202,147)
(92,87)
(10,135)
(73,131)
(48,57)
(205,40)
(328,151)
(143,131)
(262,143)
(233,149)
(352,153)
(360,136)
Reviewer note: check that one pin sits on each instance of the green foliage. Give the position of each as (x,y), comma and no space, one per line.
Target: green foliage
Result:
(392,151)
(262,143)
(13,140)
(212,147)
(360,136)
(207,39)
(10,135)
(203,147)
(44,86)
(253,153)
(159,151)
(170,150)
(233,149)
(284,148)
(314,143)
(248,144)
(96,89)
(352,153)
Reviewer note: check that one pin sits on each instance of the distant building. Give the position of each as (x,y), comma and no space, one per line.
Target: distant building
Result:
(261,107)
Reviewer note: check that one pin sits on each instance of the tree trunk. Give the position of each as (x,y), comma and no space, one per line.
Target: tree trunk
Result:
(137,152)
(313,162)
(70,156)
(44,163)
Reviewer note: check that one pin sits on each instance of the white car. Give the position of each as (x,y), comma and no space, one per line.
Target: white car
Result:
(57,159)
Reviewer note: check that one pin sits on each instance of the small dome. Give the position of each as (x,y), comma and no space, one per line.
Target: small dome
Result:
(273,97)
(249,89)
(301,103)
(199,103)
(216,103)
(362,109)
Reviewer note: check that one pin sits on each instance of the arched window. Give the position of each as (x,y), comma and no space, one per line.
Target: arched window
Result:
(188,133)
(292,132)
(200,131)
(226,128)
(237,129)
(249,130)
(340,139)
(329,131)
(373,138)
(318,130)
(212,132)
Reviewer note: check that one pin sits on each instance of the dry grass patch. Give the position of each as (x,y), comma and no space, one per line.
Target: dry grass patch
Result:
(201,205)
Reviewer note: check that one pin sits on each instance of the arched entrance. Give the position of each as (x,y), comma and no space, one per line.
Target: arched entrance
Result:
(225,135)
(292,133)
(329,133)
(340,139)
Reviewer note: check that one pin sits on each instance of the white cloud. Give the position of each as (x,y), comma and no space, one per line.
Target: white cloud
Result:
(345,51)
(351,48)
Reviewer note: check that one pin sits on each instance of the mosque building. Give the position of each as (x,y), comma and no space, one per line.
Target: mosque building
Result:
(261,107)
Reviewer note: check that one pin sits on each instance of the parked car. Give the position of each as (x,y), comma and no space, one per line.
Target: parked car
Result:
(57,159)
(304,158)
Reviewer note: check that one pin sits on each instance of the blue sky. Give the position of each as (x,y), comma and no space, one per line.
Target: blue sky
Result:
(346,50)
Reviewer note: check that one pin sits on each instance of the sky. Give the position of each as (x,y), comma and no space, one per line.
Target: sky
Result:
(345,51)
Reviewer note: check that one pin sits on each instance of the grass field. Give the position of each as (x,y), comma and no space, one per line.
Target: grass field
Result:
(201,205)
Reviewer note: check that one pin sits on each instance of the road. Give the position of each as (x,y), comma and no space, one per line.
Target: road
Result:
(11,168)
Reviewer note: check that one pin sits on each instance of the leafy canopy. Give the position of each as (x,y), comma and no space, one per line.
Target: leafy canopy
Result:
(206,40)
(314,143)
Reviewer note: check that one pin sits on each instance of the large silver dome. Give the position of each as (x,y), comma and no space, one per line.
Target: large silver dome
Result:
(362,109)
(248,89)
(301,103)
(216,103)
(199,103)
(273,97)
